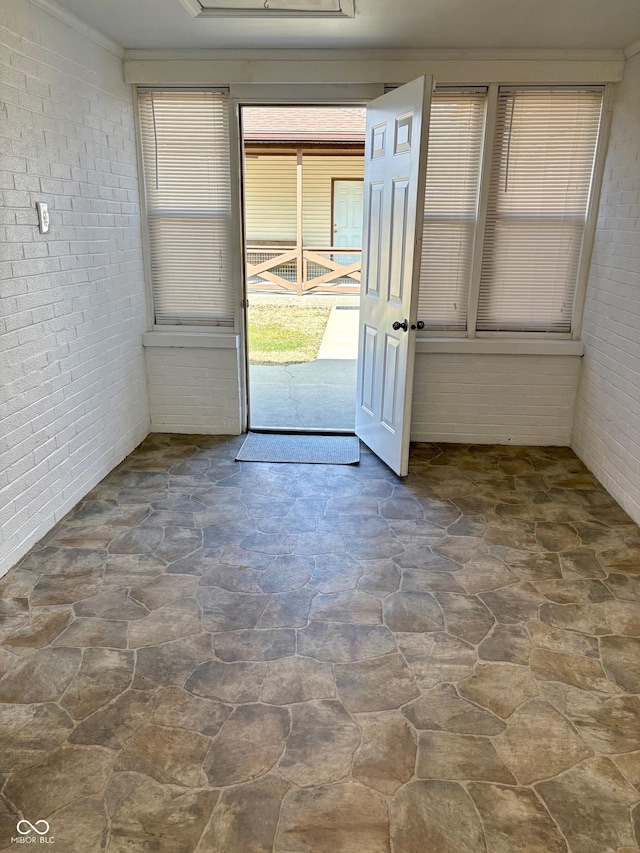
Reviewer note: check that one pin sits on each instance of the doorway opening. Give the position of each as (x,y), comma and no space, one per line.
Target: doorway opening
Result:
(303,209)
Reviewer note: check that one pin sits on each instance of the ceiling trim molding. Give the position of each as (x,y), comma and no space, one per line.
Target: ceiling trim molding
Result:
(632,49)
(77,24)
(264,73)
(364,55)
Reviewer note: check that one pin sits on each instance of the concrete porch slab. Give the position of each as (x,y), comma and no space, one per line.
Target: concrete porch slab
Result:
(319,394)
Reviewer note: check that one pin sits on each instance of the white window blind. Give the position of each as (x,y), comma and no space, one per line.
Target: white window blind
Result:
(187,170)
(539,188)
(453,172)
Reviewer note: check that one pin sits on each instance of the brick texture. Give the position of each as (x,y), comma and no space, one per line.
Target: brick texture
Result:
(494,399)
(73,400)
(194,390)
(606,431)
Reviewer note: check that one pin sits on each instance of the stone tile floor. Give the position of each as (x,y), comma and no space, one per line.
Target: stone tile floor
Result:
(213,656)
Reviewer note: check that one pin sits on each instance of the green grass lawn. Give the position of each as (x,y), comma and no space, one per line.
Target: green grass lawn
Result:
(285,334)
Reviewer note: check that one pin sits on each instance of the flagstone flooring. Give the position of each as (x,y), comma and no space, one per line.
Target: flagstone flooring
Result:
(218,657)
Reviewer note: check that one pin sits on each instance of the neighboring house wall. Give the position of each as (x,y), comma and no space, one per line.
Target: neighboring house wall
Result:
(73,401)
(270,196)
(494,399)
(606,432)
(317,215)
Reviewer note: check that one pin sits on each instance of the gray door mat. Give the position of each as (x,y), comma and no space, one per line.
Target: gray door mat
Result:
(313,449)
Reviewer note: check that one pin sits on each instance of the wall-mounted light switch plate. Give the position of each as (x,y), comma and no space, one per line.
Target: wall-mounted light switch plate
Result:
(43,216)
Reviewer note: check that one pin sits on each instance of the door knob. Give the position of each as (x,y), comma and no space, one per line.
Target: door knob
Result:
(404,325)
(418,325)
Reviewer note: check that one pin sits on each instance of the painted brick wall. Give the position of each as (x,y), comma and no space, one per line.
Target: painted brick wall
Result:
(194,390)
(524,399)
(606,433)
(501,399)
(72,303)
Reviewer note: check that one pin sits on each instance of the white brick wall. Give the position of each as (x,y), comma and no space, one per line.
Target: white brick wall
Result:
(505,399)
(606,433)
(501,399)
(72,303)
(194,390)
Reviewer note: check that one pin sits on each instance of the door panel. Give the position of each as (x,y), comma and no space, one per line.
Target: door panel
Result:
(390,387)
(399,226)
(347,213)
(374,239)
(395,166)
(368,369)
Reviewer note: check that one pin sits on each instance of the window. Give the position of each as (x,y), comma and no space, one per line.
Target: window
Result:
(542,164)
(503,227)
(521,270)
(187,173)
(453,172)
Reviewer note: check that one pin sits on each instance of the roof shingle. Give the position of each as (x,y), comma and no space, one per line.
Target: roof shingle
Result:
(303,124)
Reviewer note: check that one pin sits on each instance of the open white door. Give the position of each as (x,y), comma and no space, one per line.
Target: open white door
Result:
(394,183)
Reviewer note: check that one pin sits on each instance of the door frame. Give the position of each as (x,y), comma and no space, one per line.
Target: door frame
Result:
(295,95)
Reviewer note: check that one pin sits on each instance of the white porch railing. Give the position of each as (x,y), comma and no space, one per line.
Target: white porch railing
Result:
(304,269)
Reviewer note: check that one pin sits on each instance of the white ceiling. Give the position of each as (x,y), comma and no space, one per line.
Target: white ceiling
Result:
(427,24)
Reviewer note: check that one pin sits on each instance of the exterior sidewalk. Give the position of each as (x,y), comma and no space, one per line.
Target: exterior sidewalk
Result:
(319,394)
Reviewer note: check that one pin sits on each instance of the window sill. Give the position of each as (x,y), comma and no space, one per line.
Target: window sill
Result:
(504,346)
(471,346)
(195,340)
